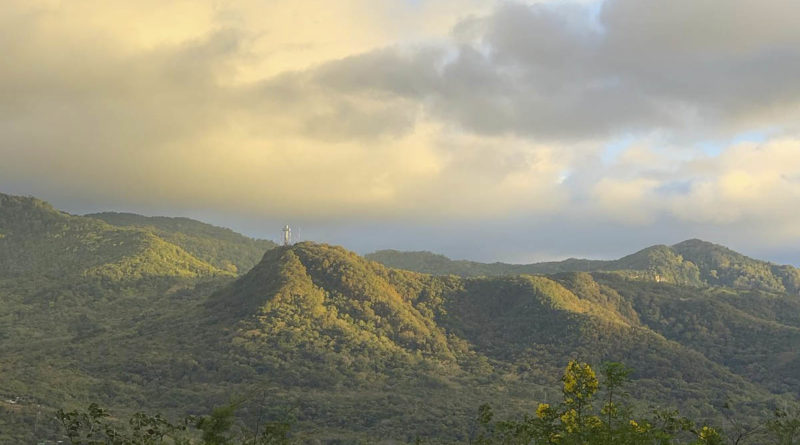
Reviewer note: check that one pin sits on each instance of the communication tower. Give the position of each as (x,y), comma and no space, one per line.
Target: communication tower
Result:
(287,235)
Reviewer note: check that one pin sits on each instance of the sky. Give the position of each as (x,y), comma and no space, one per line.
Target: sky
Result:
(489,130)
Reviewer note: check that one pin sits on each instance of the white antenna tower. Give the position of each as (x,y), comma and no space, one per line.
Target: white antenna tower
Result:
(287,235)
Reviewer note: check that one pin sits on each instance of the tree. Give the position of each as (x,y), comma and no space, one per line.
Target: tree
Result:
(216,427)
(87,427)
(784,428)
(574,422)
(615,376)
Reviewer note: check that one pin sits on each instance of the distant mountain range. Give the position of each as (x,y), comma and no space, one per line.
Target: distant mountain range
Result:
(174,315)
(691,263)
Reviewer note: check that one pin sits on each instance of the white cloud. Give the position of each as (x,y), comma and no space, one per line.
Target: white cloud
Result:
(407,110)
(746,185)
(626,201)
(747,182)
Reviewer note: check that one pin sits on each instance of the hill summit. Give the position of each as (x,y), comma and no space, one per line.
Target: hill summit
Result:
(41,241)
(223,248)
(38,240)
(351,322)
(693,262)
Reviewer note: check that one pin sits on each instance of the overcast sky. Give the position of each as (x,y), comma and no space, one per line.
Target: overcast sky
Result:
(488,130)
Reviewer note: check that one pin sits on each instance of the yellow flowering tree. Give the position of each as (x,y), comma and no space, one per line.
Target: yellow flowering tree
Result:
(574,422)
(579,387)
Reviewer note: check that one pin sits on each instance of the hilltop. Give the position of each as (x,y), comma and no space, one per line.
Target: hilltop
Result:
(692,263)
(37,240)
(221,247)
(319,316)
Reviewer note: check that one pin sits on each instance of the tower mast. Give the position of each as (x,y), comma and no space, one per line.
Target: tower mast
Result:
(287,235)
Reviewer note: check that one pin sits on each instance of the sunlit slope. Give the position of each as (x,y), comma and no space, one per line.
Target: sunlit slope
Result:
(690,263)
(89,311)
(721,266)
(38,240)
(535,323)
(223,248)
(753,333)
(315,304)
(323,301)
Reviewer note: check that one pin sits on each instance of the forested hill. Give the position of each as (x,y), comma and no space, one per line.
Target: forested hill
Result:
(437,264)
(38,241)
(692,262)
(218,246)
(321,317)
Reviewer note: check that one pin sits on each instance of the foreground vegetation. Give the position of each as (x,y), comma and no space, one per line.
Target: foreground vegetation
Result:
(592,412)
(598,412)
(94,426)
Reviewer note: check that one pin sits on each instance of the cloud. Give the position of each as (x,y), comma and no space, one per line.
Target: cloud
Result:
(108,112)
(749,182)
(748,187)
(626,201)
(408,111)
(561,72)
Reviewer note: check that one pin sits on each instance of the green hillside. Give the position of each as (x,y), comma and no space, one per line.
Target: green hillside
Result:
(79,302)
(690,263)
(436,264)
(760,347)
(317,316)
(39,241)
(223,248)
(357,351)
(721,266)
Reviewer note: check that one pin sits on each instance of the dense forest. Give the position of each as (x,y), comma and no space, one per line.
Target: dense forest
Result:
(156,319)
(593,410)
(690,263)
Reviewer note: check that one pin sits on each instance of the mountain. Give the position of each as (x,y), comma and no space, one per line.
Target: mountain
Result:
(691,263)
(38,241)
(319,317)
(436,264)
(138,315)
(753,333)
(223,248)
(720,266)
(85,308)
